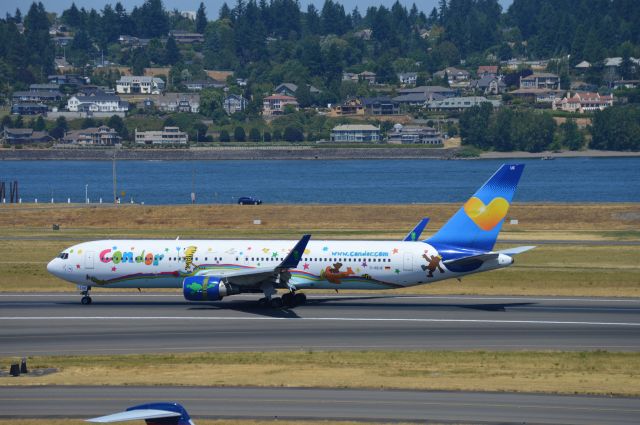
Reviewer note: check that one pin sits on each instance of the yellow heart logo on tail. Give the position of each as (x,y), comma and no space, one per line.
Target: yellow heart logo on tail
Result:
(484,216)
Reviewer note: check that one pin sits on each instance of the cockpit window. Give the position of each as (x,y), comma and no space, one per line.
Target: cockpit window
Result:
(63,255)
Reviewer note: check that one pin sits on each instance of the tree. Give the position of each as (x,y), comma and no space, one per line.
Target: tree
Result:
(254,135)
(224,136)
(88,122)
(139,62)
(239,135)
(150,19)
(118,125)
(473,126)
(570,136)
(266,136)
(172,52)
(38,124)
(60,128)
(201,19)
(277,135)
(293,134)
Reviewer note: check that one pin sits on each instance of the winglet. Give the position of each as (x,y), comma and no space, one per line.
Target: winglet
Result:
(414,235)
(167,413)
(295,255)
(516,250)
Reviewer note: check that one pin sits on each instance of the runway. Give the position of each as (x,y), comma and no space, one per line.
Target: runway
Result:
(48,324)
(324,404)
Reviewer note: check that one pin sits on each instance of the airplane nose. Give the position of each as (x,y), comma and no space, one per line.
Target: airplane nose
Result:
(51,267)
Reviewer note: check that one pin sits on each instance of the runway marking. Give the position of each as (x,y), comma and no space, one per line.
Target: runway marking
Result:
(369,295)
(265,400)
(327,319)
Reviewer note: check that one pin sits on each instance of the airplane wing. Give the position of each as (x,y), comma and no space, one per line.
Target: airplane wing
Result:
(167,413)
(414,234)
(252,277)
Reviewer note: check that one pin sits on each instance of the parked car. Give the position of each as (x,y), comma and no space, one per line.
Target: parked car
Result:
(248,200)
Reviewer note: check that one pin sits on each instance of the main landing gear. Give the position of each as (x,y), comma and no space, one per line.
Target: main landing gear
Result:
(290,299)
(86,299)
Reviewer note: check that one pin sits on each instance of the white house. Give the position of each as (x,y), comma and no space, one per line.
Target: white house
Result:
(139,85)
(234,103)
(97,103)
(355,133)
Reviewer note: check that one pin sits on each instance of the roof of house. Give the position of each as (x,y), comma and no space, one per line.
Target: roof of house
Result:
(142,79)
(426,89)
(583,65)
(540,75)
(98,97)
(37,93)
(294,87)
(281,97)
(355,127)
(486,80)
(490,69)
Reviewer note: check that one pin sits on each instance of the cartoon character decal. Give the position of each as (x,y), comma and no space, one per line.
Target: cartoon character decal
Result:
(188,257)
(334,274)
(433,264)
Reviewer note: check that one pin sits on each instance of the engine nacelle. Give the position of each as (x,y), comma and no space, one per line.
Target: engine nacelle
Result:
(204,288)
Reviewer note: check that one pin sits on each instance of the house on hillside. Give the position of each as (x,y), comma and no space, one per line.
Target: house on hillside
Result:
(234,103)
(276,104)
(357,133)
(367,76)
(37,96)
(487,71)
(29,109)
(93,136)
(582,102)
(534,95)
(414,135)
(350,107)
(178,102)
(208,83)
(488,85)
(23,136)
(408,78)
(139,85)
(417,96)
(380,106)
(542,80)
(290,89)
(460,103)
(97,103)
(186,37)
(455,77)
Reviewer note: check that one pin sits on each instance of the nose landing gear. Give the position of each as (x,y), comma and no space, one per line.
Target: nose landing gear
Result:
(85,291)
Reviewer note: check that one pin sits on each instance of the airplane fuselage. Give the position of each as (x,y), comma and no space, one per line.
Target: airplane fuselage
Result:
(324,264)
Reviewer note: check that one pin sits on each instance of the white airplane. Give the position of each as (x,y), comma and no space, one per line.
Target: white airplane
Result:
(208,270)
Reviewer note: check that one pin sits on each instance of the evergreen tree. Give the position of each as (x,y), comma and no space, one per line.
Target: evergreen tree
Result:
(201,19)
(150,19)
(266,136)
(293,134)
(118,125)
(224,136)
(239,135)
(254,135)
(570,136)
(172,52)
(40,48)
(38,124)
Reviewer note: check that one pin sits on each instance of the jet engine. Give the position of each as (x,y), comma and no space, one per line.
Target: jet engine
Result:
(206,288)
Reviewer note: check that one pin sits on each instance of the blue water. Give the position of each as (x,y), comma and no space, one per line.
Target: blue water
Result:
(347,181)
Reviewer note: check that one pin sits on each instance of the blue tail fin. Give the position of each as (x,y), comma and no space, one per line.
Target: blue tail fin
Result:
(476,225)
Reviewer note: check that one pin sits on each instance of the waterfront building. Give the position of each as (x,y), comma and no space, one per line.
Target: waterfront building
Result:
(99,102)
(93,136)
(166,136)
(275,104)
(23,136)
(414,135)
(350,133)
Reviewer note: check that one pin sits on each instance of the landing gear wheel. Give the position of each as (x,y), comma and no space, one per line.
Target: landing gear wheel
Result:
(276,302)
(300,299)
(263,302)
(86,300)
(288,299)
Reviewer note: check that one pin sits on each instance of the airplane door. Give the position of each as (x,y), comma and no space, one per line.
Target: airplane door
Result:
(408,262)
(88,259)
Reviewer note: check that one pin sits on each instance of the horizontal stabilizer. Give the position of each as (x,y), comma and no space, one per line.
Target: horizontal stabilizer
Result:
(414,234)
(134,415)
(470,260)
(516,250)
(153,413)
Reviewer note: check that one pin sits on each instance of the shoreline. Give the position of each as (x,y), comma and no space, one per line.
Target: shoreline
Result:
(284,153)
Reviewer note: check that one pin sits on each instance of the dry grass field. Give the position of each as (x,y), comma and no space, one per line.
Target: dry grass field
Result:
(549,372)
(567,269)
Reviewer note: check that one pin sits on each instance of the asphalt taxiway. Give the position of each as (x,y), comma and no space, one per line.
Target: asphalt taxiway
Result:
(324,404)
(48,324)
